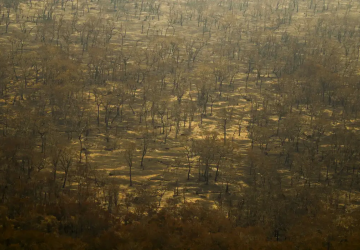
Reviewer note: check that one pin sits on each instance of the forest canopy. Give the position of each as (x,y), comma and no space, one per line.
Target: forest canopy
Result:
(189,124)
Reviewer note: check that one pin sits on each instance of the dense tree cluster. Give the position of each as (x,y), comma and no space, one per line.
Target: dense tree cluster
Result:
(69,224)
(250,104)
